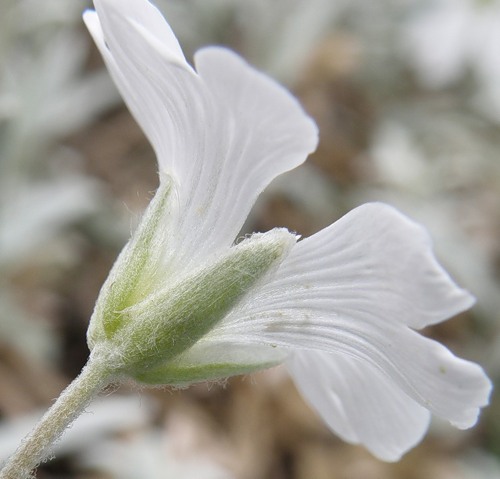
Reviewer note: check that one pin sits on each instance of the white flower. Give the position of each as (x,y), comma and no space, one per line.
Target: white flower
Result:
(183,303)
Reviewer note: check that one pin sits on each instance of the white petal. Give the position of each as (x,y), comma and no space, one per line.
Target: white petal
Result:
(359,403)
(354,288)
(379,262)
(139,47)
(222,134)
(374,263)
(146,17)
(262,133)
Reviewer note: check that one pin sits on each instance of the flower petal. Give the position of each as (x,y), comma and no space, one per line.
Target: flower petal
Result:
(120,28)
(359,403)
(354,288)
(376,260)
(263,132)
(223,134)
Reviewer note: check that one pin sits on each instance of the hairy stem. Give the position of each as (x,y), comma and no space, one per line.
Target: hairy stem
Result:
(70,404)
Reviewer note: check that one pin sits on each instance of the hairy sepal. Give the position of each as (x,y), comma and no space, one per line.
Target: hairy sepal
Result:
(173,319)
(207,361)
(135,272)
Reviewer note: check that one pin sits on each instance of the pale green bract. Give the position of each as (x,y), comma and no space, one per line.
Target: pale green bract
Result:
(187,302)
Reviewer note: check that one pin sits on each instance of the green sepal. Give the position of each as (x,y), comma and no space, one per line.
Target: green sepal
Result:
(172,320)
(133,275)
(207,361)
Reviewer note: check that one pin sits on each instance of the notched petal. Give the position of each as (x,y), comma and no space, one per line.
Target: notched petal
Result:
(356,289)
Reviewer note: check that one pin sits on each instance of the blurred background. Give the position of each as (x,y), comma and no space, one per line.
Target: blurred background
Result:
(407,97)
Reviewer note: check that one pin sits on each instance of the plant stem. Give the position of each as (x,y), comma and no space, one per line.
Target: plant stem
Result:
(70,404)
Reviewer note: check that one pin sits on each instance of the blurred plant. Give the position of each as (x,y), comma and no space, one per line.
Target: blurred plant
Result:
(44,96)
(156,453)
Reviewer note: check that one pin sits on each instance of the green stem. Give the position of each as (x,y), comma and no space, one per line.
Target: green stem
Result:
(70,404)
